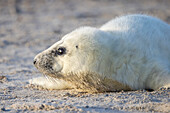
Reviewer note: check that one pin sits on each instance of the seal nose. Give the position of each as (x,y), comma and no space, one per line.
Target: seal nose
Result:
(34,62)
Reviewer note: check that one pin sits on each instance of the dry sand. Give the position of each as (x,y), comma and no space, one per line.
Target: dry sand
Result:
(30,26)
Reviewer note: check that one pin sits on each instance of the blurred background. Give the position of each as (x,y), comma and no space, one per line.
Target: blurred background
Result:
(27,27)
(30,26)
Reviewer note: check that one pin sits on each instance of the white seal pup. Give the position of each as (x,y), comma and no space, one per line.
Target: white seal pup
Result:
(128,53)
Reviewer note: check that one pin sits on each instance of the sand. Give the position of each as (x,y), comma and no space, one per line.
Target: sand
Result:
(27,27)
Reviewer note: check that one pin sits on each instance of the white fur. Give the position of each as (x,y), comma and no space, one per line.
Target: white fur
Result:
(50,83)
(133,50)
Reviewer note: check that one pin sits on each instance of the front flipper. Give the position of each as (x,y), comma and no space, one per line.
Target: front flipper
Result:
(50,83)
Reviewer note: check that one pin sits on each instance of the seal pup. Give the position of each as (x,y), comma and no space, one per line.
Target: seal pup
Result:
(128,53)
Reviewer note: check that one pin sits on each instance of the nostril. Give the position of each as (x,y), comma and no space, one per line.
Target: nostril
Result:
(34,62)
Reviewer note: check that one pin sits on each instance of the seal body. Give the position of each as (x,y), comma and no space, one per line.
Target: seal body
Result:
(128,53)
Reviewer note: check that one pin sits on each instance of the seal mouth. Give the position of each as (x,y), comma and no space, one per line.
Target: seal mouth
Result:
(49,71)
(47,67)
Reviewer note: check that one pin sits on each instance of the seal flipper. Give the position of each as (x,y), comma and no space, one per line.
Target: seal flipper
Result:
(50,83)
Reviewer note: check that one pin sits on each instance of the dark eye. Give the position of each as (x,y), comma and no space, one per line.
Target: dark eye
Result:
(61,51)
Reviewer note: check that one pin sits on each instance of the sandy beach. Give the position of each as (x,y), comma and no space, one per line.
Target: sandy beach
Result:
(28,27)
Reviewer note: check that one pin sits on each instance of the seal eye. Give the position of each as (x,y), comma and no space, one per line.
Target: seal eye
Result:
(61,51)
